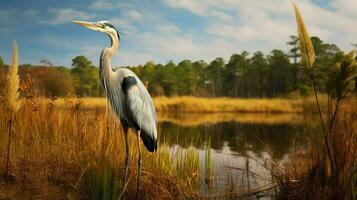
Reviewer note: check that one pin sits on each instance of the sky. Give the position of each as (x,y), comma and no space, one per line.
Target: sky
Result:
(164,30)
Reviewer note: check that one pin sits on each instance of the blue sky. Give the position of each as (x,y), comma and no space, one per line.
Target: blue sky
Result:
(163,30)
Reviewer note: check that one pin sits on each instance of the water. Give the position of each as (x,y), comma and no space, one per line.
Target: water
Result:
(233,148)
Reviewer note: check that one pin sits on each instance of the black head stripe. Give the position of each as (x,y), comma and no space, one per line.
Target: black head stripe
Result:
(111,26)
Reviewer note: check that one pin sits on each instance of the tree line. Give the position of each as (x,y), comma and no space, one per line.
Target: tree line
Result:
(244,75)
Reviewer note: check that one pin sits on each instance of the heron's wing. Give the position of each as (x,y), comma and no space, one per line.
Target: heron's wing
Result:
(142,109)
(115,97)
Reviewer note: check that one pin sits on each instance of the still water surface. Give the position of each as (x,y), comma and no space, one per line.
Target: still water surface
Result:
(233,147)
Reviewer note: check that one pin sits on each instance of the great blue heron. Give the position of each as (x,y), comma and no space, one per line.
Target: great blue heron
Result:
(127,96)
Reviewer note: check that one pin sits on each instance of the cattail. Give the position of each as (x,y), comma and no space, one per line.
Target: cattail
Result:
(306,47)
(13,82)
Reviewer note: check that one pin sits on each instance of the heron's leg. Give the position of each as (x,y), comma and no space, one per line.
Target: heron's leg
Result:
(127,155)
(139,167)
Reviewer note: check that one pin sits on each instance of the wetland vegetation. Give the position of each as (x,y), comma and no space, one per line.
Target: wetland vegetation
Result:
(252,127)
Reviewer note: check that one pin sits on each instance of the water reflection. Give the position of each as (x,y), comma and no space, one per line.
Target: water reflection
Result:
(233,145)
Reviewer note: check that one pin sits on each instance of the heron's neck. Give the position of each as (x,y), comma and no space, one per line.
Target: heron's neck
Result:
(105,58)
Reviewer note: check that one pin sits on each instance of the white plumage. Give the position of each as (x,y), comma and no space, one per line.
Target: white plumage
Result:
(127,97)
(133,107)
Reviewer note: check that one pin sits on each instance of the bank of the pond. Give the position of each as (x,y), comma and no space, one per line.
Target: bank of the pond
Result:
(208,105)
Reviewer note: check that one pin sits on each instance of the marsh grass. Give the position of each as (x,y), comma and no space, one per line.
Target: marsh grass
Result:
(307,175)
(196,119)
(102,182)
(206,105)
(78,153)
(195,104)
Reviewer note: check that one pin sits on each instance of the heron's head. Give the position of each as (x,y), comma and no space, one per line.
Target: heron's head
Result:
(101,26)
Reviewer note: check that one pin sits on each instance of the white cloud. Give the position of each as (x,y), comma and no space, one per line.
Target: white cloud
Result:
(100,5)
(107,5)
(123,25)
(272,21)
(134,15)
(131,58)
(123,58)
(231,26)
(192,6)
(66,15)
(345,7)
(167,28)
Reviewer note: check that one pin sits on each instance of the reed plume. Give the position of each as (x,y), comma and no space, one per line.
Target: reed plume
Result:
(307,54)
(13,82)
(306,47)
(13,101)
(335,165)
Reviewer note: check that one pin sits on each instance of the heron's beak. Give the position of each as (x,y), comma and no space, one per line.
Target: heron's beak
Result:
(91,25)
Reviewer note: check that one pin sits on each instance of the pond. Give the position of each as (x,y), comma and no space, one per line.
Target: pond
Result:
(233,147)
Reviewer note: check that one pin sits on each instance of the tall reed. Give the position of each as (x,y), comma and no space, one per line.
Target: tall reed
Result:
(307,54)
(308,58)
(328,169)
(13,101)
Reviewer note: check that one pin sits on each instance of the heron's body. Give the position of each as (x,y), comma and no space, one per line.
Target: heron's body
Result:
(127,96)
(133,105)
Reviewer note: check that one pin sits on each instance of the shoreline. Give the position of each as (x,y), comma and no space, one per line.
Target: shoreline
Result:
(203,105)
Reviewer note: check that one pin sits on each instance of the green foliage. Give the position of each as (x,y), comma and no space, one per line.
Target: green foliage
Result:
(304,90)
(215,71)
(1,62)
(200,70)
(244,75)
(281,74)
(294,52)
(342,77)
(169,79)
(237,66)
(260,65)
(188,78)
(85,77)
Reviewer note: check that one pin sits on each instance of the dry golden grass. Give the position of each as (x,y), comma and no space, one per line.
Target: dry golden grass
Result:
(195,119)
(306,175)
(195,104)
(59,151)
(204,105)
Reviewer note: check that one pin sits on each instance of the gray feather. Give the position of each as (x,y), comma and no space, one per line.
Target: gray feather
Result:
(136,105)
